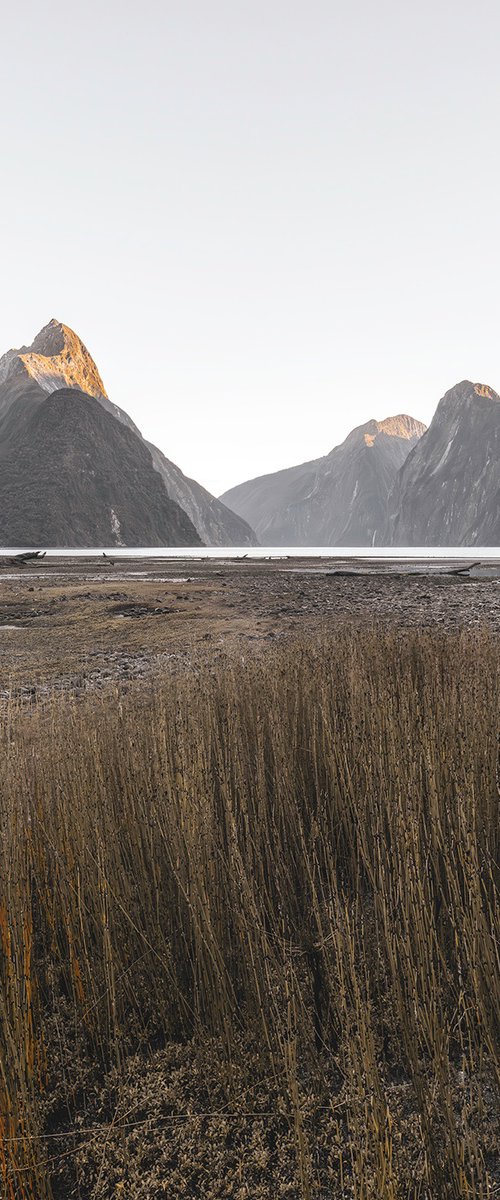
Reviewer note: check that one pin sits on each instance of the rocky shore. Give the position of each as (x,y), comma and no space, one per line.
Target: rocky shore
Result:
(81,624)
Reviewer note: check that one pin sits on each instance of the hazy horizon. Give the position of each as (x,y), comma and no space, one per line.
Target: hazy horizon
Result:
(268,224)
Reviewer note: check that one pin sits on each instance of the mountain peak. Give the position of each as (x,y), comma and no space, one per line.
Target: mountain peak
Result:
(400,426)
(57,362)
(466,392)
(339,499)
(50,340)
(53,339)
(58,358)
(484,390)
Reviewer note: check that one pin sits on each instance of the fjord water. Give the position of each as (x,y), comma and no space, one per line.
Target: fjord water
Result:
(368,553)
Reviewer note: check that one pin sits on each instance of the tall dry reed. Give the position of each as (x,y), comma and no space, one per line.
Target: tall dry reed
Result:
(303,849)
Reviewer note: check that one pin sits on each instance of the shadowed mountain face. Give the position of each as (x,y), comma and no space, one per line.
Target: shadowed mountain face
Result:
(73,475)
(337,500)
(58,359)
(447,493)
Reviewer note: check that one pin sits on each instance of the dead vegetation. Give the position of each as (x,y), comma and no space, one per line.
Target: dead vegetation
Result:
(249,928)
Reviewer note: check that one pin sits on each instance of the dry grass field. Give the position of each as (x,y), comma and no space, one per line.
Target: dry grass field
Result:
(249,917)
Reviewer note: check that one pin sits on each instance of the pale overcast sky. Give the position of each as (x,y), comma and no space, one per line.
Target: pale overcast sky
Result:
(269,221)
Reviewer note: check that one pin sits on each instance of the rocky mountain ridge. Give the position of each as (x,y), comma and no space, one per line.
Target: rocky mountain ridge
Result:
(57,359)
(339,499)
(390,482)
(447,492)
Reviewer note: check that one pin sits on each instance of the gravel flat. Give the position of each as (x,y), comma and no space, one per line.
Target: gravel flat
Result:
(79,624)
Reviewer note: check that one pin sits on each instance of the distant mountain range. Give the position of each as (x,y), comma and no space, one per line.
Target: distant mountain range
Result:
(75,470)
(82,481)
(338,500)
(391,483)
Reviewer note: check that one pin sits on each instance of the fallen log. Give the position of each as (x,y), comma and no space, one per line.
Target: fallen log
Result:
(19,560)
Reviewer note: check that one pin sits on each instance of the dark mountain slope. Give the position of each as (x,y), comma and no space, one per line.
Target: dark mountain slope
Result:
(337,500)
(216,524)
(447,493)
(74,475)
(57,359)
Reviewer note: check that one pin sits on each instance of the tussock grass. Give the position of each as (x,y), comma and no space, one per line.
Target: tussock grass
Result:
(298,853)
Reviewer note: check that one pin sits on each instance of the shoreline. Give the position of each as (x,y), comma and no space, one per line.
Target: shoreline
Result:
(76,624)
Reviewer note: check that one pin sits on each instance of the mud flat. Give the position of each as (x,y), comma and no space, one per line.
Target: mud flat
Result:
(83,623)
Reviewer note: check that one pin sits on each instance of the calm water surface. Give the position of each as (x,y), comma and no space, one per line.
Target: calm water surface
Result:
(262,552)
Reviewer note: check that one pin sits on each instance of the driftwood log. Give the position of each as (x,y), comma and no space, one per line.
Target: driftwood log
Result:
(19,560)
